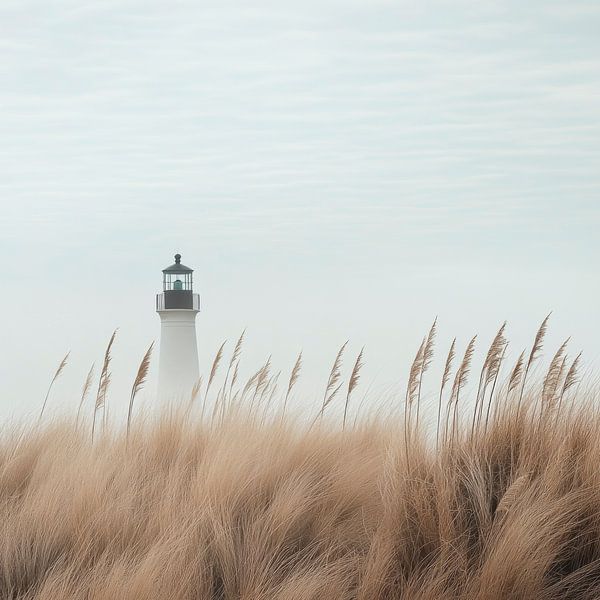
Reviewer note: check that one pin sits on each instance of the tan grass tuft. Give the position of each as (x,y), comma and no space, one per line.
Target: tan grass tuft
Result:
(256,506)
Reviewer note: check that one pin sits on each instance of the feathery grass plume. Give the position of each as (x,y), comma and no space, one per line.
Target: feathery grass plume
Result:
(237,349)
(535,350)
(412,386)
(571,378)
(269,390)
(487,373)
(213,373)
(193,395)
(495,361)
(215,366)
(332,387)
(553,376)
(104,381)
(445,377)
(84,392)
(138,383)
(413,377)
(250,383)
(294,375)
(234,378)
(515,376)
(496,370)
(233,360)
(262,379)
(61,367)
(196,390)
(272,387)
(353,382)
(425,363)
(460,380)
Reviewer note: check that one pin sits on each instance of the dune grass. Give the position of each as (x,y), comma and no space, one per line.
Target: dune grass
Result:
(503,502)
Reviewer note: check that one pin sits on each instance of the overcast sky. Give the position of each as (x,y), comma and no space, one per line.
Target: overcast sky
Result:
(331,169)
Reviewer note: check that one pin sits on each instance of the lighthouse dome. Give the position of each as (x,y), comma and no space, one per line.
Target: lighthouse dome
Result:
(177,267)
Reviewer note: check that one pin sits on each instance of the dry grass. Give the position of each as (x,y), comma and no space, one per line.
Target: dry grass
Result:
(252,505)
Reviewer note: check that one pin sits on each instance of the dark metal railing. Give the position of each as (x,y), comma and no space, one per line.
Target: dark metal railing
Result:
(177,300)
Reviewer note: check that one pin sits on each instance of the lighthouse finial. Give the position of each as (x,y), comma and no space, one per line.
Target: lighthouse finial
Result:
(177,259)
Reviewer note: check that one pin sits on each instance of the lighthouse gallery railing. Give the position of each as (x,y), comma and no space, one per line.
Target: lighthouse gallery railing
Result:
(177,300)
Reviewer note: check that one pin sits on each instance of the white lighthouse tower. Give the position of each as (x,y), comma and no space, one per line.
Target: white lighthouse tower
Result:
(177,306)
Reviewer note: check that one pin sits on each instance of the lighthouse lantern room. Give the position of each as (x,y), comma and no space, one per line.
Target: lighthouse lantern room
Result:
(177,288)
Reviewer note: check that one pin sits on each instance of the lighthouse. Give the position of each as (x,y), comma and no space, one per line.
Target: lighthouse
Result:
(177,307)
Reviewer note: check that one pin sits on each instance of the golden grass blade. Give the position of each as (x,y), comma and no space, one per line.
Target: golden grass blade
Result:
(445,377)
(497,372)
(251,382)
(237,350)
(429,347)
(104,381)
(539,341)
(196,390)
(426,362)
(84,392)
(334,376)
(353,382)
(234,378)
(268,393)
(221,395)
(262,380)
(460,380)
(215,367)
(332,383)
(411,390)
(138,383)
(59,370)
(488,371)
(553,376)
(535,351)
(448,365)
(571,378)
(515,376)
(492,360)
(294,375)
(413,376)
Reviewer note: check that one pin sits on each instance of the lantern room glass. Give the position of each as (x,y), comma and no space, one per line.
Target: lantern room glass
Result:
(177,281)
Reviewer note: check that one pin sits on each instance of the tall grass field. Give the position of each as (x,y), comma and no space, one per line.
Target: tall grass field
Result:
(227,496)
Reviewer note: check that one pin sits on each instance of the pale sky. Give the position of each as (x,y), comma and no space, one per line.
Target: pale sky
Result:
(332,170)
